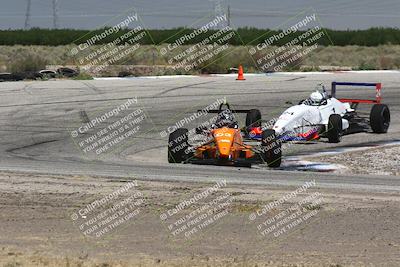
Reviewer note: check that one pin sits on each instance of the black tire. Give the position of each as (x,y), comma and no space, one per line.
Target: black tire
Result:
(272,147)
(177,145)
(335,128)
(7,77)
(67,72)
(253,118)
(379,118)
(48,74)
(31,75)
(124,74)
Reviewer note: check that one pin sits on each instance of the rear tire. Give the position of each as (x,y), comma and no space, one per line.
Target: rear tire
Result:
(177,145)
(379,118)
(253,118)
(335,128)
(272,147)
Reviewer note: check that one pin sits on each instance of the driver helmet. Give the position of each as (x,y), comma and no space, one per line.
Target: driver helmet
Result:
(316,97)
(225,118)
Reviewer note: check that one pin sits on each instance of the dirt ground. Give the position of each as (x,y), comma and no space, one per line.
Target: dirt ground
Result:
(347,228)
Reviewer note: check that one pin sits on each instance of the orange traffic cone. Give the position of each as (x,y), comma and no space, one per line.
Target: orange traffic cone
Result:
(240,74)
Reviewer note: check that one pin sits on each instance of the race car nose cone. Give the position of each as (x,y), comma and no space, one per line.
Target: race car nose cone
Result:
(224,152)
(224,140)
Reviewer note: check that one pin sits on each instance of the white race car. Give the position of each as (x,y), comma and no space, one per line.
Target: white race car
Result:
(322,115)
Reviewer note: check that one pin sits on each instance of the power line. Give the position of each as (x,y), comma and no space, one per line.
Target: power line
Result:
(234,12)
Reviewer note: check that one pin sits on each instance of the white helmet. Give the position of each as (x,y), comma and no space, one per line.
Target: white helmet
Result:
(316,97)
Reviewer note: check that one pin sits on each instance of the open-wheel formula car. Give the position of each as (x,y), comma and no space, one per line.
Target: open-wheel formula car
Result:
(225,143)
(323,115)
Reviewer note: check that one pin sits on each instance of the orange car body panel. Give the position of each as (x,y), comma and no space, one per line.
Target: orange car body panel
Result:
(227,144)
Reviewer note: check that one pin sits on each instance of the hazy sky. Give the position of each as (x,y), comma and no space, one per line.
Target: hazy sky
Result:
(89,14)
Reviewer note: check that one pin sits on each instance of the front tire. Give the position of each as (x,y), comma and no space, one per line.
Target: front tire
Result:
(335,128)
(253,118)
(379,118)
(177,145)
(272,147)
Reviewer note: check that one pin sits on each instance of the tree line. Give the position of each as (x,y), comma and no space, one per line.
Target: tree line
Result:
(244,36)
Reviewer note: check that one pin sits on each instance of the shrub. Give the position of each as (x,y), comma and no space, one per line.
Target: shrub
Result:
(26,64)
(83,76)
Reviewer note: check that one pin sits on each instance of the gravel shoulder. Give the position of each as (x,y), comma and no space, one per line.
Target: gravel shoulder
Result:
(350,228)
(373,161)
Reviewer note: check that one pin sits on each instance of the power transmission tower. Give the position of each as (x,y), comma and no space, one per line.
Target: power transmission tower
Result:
(28,15)
(55,14)
(219,11)
(229,16)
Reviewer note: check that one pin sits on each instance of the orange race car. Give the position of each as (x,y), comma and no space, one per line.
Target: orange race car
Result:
(225,143)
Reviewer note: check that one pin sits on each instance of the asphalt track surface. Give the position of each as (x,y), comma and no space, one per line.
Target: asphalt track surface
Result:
(37,119)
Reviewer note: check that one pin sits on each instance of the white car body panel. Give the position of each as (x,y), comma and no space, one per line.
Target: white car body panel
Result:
(301,118)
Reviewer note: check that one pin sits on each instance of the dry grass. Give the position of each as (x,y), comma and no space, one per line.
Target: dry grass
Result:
(14,58)
(358,57)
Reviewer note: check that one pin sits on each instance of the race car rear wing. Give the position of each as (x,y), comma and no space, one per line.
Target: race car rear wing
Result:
(221,109)
(378,88)
(233,110)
